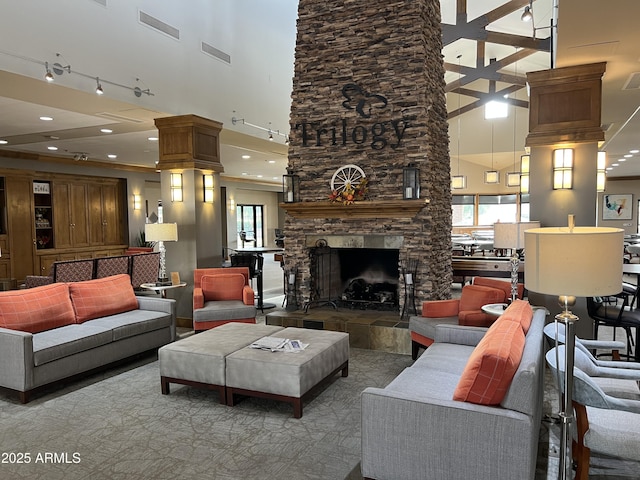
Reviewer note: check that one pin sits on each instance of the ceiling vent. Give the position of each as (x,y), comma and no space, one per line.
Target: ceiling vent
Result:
(216,53)
(633,82)
(158,25)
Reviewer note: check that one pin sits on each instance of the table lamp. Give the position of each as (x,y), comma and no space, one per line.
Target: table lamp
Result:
(572,262)
(511,235)
(161,232)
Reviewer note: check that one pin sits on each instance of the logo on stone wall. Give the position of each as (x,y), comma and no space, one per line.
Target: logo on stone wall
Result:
(339,132)
(361,101)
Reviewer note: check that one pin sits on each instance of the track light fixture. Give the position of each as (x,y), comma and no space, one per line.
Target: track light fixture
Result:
(48,76)
(527,15)
(80,157)
(270,133)
(99,90)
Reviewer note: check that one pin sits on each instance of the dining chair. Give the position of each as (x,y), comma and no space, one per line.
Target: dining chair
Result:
(616,316)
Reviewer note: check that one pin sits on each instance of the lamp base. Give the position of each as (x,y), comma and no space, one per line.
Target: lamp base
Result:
(163,282)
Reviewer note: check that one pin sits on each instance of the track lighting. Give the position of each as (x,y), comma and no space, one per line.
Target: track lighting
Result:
(270,133)
(527,15)
(270,136)
(99,90)
(48,76)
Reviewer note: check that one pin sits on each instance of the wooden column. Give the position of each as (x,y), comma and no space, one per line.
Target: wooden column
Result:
(189,145)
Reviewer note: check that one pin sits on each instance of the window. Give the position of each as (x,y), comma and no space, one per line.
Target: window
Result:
(524,208)
(497,208)
(250,229)
(462,210)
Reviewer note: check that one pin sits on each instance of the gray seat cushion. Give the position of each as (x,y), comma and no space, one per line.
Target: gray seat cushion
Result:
(224,310)
(61,342)
(427,326)
(132,323)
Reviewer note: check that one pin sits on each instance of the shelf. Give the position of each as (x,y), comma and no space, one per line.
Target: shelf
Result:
(367,209)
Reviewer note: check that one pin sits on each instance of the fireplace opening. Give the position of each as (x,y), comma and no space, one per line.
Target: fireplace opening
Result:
(358,278)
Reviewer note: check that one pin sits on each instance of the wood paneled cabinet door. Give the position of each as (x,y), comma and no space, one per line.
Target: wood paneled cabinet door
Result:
(21,227)
(70,207)
(104,214)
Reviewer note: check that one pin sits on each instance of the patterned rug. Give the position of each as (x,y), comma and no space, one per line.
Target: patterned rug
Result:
(116,425)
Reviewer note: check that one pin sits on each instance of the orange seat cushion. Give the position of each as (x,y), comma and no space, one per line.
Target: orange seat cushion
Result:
(36,309)
(492,365)
(225,286)
(102,297)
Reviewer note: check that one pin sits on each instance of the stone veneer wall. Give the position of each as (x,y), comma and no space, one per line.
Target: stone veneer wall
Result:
(387,48)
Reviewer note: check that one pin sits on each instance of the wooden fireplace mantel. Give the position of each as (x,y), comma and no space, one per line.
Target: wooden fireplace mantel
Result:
(367,209)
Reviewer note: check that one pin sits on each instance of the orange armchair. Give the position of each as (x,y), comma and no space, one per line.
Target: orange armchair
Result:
(222,295)
(466,310)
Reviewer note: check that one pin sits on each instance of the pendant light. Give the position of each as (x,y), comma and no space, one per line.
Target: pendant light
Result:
(491,176)
(458,181)
(513,178)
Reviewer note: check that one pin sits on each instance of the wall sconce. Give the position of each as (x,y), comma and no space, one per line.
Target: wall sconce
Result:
(291,187)
(411,182)
(207,183)
(176,187)
(563,169)
(458,182)
(232,204)
(137,201)
(601,175)
(524,173)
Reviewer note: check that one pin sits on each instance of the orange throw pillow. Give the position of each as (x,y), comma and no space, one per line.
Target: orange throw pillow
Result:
(492,365)
(102,297)
(225,286)
(521,312)
(36,309)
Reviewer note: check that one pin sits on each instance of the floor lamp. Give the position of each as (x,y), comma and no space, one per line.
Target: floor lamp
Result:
(572,262)
(161,232)
(511,235)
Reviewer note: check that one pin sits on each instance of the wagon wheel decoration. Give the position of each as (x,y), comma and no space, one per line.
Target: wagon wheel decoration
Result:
(347,176)
(348,184)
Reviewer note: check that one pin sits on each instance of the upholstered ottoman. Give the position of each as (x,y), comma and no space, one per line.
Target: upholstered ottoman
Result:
(199,360)
(288,376)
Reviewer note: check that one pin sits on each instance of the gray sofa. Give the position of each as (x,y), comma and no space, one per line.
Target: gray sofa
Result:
(31,360)
(414,429)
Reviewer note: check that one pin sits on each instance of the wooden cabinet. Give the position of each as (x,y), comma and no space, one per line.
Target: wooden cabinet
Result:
(70,205)
(43,214)
(105,219)
(20,225)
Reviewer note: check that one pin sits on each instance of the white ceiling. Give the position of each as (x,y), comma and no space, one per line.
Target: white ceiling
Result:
(260,39)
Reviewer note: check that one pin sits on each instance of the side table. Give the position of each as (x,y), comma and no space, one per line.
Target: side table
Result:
(496,309)
(162,289)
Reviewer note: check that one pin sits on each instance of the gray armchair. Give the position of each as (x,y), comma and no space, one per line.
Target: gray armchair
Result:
(605,424)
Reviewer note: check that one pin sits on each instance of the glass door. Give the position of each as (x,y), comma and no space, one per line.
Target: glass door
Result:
(250,226)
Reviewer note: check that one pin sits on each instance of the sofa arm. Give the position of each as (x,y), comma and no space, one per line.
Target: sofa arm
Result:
(459,334)
(16,359)
(248,295)
(440,308)
(198,298)
(408,436)
(165,305)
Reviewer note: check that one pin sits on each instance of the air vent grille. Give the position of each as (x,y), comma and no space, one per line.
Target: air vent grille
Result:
(216,53)
(159,25)
(633,82)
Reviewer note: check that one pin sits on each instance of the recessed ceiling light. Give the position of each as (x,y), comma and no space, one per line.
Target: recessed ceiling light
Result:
(106,130)
(271,161)
(152,139)
(245,173)
(246,157)
(634,151)
(112,155)
(46,119)
(3,142)
(259,176)
(275,178)
(52,148)
(614,164)
(609,168)
(628,155)
(622,160)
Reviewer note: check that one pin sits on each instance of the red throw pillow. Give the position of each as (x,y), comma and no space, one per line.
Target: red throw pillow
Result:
(492,365)
(36,309)
(102,297)
(521,312)
(224,286)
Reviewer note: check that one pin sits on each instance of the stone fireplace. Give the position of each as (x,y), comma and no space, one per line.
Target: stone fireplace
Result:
(368,91)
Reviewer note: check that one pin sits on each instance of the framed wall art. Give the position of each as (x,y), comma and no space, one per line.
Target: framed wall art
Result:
(617,207)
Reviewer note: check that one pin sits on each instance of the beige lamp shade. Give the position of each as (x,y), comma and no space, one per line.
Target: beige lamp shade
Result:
(511,235)
(161,232)
(581,262)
